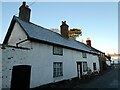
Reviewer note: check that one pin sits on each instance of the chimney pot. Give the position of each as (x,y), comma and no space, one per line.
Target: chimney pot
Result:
(24,3)
(63,22)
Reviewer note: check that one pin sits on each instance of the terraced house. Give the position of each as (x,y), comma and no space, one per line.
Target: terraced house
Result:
(33,55)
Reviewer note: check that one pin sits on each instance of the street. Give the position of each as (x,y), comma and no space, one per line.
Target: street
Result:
(110,79)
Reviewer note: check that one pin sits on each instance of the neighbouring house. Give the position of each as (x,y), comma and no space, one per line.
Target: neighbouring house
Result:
(33,55)
(108,60)
(102,57)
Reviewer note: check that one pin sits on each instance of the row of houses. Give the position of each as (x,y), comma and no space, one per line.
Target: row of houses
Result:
(33,55)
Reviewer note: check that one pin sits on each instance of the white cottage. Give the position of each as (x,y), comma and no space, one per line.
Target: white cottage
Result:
(31,51)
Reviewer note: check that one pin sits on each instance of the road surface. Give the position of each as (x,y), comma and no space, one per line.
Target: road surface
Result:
(110,79)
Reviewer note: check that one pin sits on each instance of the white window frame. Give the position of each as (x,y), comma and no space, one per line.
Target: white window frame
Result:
(57,50)
(57,69)
(84,55)
(85,67)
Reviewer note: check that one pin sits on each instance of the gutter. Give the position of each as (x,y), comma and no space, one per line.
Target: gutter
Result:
(21,42)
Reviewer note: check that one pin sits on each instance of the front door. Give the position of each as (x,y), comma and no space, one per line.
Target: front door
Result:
(20,77)
(79,69)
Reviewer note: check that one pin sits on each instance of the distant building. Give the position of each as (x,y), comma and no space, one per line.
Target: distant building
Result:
(115,58)
(102,57)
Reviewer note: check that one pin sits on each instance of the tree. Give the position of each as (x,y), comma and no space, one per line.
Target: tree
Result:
(74,33)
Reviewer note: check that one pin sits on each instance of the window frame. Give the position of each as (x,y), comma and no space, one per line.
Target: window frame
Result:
(84,55)
(57,69)
(94,66)
(56,53)
(85,68)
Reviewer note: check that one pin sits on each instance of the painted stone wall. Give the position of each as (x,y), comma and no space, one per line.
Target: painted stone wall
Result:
(41,59)
(12,57)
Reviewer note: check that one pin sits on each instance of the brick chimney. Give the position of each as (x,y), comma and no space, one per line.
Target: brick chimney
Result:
(24,12)
(64,30)
(88,42)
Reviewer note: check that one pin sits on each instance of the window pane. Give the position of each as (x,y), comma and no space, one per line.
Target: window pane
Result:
(57,69)
(57,50)
(84,66)
(84,55)
(94,66)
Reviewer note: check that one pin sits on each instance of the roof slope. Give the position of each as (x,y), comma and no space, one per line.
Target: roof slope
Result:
(35,32)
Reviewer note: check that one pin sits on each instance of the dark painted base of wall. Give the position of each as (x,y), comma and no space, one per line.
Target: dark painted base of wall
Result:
(5,89)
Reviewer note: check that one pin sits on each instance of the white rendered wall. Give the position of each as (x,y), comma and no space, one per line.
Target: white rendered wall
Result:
(41,59)
(46,59)
(12,57)
(93,59)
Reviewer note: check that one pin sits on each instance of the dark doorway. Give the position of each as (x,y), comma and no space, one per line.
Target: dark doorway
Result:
(79,69)
(20,77)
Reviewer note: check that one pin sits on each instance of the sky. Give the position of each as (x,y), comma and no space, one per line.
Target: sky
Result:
(97,20)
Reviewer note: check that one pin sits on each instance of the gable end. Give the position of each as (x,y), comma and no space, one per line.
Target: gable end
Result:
(10,29)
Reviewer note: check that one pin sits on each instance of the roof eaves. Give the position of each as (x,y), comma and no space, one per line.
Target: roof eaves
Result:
(94,49)
(50,43)
(97,50)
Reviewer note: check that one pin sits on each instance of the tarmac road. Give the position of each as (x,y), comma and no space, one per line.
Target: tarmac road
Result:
(110,79)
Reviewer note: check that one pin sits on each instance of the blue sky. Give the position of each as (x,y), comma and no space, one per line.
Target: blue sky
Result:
(97,20)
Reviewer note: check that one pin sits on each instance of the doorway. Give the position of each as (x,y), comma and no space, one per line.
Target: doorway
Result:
(79,69)
(20,77)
